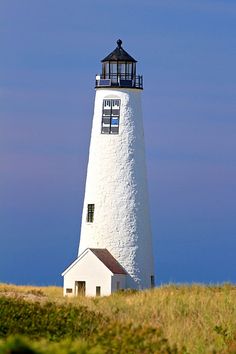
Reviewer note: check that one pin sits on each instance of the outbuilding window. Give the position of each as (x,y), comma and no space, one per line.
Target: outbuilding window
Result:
(98,290)
(90,212)
(110,116)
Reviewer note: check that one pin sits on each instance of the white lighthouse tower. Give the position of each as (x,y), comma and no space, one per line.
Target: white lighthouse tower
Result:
(115,250)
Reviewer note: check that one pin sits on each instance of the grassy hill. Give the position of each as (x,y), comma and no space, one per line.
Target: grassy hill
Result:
(169,319)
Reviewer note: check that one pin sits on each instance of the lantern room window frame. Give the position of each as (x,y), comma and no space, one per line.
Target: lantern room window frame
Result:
(119,74)
(114,70)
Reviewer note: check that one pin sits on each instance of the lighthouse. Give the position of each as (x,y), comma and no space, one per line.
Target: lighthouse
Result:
(115,249)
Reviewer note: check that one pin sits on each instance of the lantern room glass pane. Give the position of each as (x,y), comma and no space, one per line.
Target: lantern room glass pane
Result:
(106,70)
(113,68)
(113,71)
(121,70)
(129,71)
(134,70)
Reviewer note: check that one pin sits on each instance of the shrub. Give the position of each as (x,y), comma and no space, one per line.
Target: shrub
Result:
(126,338)
(55,322)
(46,320)
(16,345)
(22,345)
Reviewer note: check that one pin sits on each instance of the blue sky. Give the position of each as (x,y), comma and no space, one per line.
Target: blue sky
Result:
(50,53)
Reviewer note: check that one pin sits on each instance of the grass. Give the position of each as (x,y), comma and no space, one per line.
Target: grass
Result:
(200,318)
(51,292)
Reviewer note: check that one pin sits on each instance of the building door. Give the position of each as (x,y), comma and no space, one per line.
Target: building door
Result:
(80,288)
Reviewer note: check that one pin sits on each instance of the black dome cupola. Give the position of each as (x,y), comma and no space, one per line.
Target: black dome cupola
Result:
(119,70)
(119,54)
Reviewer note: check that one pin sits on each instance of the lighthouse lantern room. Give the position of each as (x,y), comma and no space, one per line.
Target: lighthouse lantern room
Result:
(119,69)
(115,248)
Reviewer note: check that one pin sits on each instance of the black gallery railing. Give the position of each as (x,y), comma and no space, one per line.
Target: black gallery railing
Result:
(119,80)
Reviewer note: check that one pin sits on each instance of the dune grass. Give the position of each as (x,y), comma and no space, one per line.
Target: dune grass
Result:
(198,317)
(51,292)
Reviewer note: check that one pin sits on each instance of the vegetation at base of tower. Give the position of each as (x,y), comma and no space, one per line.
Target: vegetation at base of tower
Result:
(47,320)
(169,319)
(56,322)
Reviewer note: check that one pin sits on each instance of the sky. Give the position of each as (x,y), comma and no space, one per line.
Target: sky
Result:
(50,54)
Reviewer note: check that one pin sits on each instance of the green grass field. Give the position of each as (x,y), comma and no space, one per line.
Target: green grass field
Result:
(170,319)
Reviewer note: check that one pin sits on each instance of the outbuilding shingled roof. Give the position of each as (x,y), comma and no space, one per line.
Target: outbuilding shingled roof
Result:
(108,260)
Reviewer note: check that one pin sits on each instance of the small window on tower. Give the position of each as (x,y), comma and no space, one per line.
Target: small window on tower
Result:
(90,212)
(110,116)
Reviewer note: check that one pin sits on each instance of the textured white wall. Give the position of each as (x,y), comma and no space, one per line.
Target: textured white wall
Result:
(91,270)
(117,185)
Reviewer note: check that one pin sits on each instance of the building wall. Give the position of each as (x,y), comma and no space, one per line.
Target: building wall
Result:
(91,270)
(117,185)
(118,282)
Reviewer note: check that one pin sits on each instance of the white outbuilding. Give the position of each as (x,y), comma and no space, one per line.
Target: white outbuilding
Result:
(94,273)
(115,225)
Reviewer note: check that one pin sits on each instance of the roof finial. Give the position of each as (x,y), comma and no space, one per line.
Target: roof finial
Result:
(119,42)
